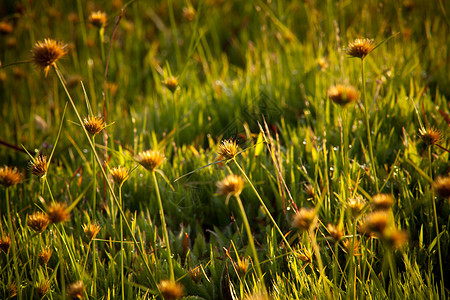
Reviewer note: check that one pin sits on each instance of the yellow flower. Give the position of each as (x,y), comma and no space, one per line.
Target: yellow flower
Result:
(38,221)
(39,166)
(171,290)
(360,48)
(46,53)
(232,185)
(9,176)
(93,124)
(150,159)
(98,19)
(119,174)
(343,94)
(228,149)
(305,219)
(57,213)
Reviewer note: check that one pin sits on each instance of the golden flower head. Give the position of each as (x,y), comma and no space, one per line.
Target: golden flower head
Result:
(305,219)
(376,222)
(396,239)
(305,255)
(442,186)
(228,149)
(91,230)
(150,159)
(42,287)
(322,63)
(343,94)
(336,231)
(189,13)
(356,204)
(360,48)
(39,166)
(348,243)
(232,185)
(242,266)
(46,53)
(5,243)
(57,213)
(171,82)
(38,221)
(170,290)
(5,28)
(430,136)
(98,18)
(382,201)
(76,290)
(93,124)
(119,174)
(9,176)
(44,255)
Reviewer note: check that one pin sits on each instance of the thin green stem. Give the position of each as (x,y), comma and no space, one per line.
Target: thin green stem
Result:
(122,252)
(315,246)
(393,271)
(251,242)
(163,224)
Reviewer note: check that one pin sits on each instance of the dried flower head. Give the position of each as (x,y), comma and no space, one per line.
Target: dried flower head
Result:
(42,288)
(343,94)
(119,174)
(38,221)
(376,222)
(305,255)
(309,189)
(382,201)
(189,13)
(305,219)
(39,166)
(170,290)
(196,274)
(336,231)
(5,243)
(242,266)
(76,290)
(91,230)
(57,213)
(93,124)
(98,18)
(46,53)
(228,149)
(5,28)
(356,204)
(150,159)
(171,83)
(360,48)
(442,186)
(348,243)
(232,185)
(9,176)
(430,136)
(44,255)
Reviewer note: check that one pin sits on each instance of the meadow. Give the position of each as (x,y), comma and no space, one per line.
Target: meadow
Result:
(211,149)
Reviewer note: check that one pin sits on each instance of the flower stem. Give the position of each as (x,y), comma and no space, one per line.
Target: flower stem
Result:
(122,252)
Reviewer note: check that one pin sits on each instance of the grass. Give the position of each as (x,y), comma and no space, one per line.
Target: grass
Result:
(254,72)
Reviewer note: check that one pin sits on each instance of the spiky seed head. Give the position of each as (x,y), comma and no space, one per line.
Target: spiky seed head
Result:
(39,166)
(98,18)
(305,255)
(396,239)
(343,94)
(42,288)
(44,255)
(93,124)
(171,82)
(170,290)
(46,53)
(119,174)
(430,136)
(5,243)
(305,219)
(348,243)
(6,28)
(150,159)
(228,149)
(442,186)
(242,266)
(9,176)
(232,185)
(189,13)
(356,204)
(76,290)
(360,48)
(91,230)
(309,189)
(382,201)
(336,232)
(38,221)
(57,213)
(376,222)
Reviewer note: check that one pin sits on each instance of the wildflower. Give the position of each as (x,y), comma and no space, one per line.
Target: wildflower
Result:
(442,186)
(360,48)
(91,230)
(9,176)
(343,94)
(5,243)
(42,288)
(171,83)
(93,124)
(76,290)
(322,63)
(376,222)
(38,221)
(382,201)
(46,53)
(309,189)
(396,239)
(119,174)
(305,255)
(335,231)
(348,243)
(98,19)
(232,185)
(189,13)
(305,219)
(356,205)
(150,159)
(170,290)
(228,149)
(44,255)
(195,274)
(5,28)
(430,136)
(57,213)
(39,166)
(242,266)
